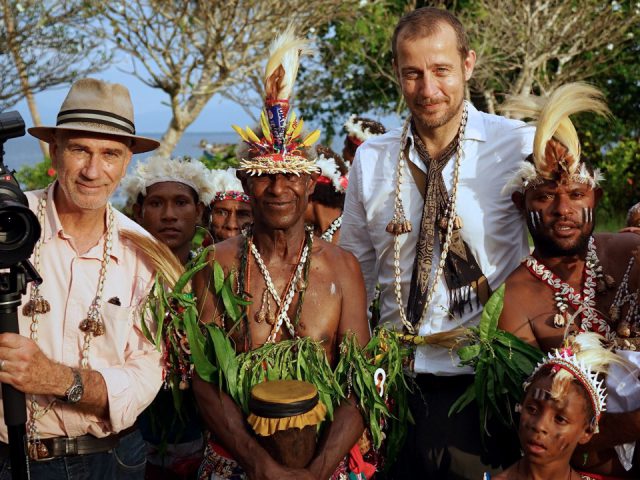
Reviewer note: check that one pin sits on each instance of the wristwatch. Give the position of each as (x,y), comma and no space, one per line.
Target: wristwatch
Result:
(75,391)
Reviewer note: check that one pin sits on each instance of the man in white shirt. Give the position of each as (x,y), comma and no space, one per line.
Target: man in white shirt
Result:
(441,194)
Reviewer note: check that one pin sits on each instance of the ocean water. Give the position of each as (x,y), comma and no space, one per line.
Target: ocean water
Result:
(26,151)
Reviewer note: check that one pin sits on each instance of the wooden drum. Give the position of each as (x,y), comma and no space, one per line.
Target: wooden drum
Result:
(284,416)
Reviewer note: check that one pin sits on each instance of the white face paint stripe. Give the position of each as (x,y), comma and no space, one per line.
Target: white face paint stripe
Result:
(540,394)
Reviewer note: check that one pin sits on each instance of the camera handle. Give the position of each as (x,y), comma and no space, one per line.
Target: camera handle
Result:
(13,284)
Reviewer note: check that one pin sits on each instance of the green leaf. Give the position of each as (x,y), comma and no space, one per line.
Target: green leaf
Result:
(491,314)
(203,366)
(469,352)
(465,399)
(218,277)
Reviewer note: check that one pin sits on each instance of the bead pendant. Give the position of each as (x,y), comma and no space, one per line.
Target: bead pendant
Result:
(624,330)
(37,450)
(559,320)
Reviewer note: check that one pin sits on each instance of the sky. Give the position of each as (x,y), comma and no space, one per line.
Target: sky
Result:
(151,110)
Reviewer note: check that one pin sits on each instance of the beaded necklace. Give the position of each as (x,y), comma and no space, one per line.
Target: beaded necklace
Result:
(400,225)
(333,228)
(92,325)
(564,294)
(296,283)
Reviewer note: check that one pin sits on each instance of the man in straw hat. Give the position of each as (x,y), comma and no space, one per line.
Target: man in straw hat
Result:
(424,216)
(580,280)
(298,285)
(85,366)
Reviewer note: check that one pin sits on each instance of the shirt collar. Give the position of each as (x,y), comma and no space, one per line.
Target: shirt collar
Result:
(474,130)
(52,226)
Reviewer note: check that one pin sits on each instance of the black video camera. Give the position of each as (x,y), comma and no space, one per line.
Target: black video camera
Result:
(19,226)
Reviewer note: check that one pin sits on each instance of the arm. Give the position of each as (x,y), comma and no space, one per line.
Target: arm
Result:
(225,420)
(354,236)
(221,414)
(347,426)
(615,429)
(513,320)
(29,370)
(117,394)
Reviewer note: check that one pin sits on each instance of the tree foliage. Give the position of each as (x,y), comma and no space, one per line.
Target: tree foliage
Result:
(45,44)
(192,50)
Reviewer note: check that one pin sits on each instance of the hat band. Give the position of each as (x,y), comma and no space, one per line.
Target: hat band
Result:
(96,116)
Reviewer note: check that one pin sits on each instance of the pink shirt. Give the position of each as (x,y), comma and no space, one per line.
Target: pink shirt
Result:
(129,364)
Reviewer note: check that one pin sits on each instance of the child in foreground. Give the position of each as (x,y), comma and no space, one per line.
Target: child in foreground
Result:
(564,399)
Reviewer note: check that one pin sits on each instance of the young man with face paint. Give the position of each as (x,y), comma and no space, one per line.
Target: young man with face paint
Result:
(424,216)
(563,401)
(167,197)
(574,280)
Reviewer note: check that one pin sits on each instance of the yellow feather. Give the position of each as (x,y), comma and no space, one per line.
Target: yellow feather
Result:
(298,130)
(265,126)
(164,261)
(311,138)
(252,136)
(240,132)
(292,121)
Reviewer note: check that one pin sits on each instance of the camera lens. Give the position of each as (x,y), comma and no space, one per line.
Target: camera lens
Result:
(13,228)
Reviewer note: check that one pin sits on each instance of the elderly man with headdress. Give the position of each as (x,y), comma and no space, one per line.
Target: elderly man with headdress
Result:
(324,211)
(293,287)
(575,279)
(359,130)
(167,197)
(81,358)
(230,206)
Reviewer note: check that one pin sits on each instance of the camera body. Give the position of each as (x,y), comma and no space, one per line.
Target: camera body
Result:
(19,226)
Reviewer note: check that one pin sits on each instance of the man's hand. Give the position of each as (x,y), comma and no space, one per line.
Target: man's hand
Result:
(630,230)
(24,366)
(274,471)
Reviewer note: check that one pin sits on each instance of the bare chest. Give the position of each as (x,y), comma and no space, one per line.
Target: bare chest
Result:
(285,306)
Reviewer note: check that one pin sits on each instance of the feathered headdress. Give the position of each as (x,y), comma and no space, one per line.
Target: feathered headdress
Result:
(162,169)
(332,166)
(360,129)
(227,186)
(281,147)
(556,147)
(583,358)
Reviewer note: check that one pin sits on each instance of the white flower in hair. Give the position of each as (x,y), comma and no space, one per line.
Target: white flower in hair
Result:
(226,185)
(355,129)
(329,169)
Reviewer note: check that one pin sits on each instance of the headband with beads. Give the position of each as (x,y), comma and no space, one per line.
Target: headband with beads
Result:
(227,186)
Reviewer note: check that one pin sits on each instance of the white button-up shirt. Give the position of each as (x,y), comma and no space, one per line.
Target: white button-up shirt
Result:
(492,226)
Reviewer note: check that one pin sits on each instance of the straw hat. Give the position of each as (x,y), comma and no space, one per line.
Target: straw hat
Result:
(100,107)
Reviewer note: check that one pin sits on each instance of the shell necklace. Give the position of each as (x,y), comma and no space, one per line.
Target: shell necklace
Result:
(564,294)
(400,225)
(296,283)
(92,325)
(332,229)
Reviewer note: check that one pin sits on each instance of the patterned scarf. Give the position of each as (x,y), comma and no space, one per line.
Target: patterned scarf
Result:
(461,271)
